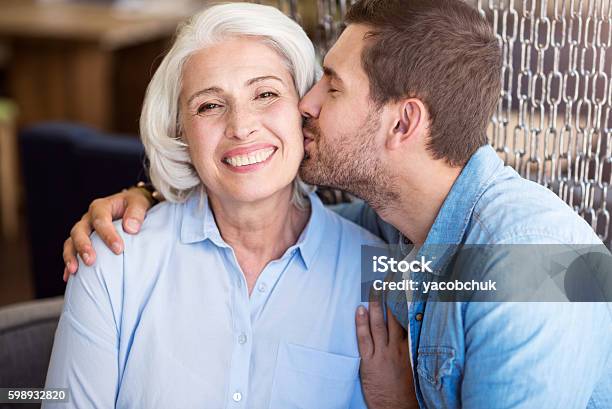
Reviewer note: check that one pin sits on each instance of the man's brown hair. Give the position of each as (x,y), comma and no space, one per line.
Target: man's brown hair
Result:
(442,52)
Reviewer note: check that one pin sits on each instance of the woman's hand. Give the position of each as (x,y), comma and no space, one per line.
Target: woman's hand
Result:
(130,204)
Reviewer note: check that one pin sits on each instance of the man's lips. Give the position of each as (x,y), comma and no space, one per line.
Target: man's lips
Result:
(308,138)
(307,141)
(307,133)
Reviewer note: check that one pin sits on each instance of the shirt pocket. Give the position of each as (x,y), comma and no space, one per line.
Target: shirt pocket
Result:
(307,378)
(438,381)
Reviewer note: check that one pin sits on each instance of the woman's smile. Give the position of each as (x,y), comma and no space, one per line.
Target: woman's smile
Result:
(250,158)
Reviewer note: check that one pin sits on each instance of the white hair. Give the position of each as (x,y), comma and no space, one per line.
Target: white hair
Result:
(170,166)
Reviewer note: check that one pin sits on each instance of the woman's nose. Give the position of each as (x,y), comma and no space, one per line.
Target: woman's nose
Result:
(242,124)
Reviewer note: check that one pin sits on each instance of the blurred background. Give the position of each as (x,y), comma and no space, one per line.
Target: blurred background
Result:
(73,75)
(72,79)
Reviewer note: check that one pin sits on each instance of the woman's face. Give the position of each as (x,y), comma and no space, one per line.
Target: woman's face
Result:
(239,115)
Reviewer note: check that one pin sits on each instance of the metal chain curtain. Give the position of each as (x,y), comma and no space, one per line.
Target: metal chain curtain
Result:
(553,123)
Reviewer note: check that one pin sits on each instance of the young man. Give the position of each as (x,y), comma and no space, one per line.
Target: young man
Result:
(399,119)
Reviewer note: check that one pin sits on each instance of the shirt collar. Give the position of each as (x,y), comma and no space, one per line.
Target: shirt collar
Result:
(198,224)
(450,225)
(312,238)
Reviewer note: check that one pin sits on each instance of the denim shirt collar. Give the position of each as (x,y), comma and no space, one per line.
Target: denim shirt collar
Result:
(198,224)
(449,227)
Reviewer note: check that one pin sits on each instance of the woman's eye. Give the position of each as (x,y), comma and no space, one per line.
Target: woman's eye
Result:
(332,91)
(267,94)
(207,107)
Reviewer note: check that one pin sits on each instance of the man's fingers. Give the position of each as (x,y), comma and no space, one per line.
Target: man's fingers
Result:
(364,336)
(70,259)
(377,320)
(137,205)
(80,239)
(377,325)
(396,331)
(99,217)
(102,212)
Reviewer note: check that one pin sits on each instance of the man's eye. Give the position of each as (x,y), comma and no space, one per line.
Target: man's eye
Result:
(208,107)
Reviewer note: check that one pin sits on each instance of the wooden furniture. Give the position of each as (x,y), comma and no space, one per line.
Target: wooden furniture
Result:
(87,63)
(8,171)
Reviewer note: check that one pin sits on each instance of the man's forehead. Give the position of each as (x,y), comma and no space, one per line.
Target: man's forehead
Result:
(348,47)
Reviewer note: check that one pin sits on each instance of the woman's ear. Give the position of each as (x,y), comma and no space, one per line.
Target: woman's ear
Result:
(408,123)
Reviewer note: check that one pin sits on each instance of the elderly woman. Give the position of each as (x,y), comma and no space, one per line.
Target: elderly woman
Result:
(241,289)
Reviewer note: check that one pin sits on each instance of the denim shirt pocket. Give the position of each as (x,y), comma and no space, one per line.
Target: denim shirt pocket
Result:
(434,363)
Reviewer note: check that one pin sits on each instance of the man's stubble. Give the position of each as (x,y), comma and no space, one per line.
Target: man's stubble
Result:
(352,165)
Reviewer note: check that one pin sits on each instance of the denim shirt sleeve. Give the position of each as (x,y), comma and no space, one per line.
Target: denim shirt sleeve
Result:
(85,351)
(362,214)
(552,372)
(533,354)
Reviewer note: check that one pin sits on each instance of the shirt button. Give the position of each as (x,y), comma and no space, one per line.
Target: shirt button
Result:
(237,396)
(419,317)
(242,339)
(262,287)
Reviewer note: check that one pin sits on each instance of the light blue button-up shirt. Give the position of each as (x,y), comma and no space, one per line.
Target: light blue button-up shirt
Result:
(502,355)
(170,324)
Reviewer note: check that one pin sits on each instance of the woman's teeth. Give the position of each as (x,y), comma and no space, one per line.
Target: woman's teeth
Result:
(251,158)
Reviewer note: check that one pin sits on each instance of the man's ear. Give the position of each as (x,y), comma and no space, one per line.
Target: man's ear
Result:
(408,123)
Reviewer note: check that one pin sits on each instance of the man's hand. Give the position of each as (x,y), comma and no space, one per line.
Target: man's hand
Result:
(130,204)
(386,372)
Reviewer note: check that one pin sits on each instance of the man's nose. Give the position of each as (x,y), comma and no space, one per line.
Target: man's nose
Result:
(310,104)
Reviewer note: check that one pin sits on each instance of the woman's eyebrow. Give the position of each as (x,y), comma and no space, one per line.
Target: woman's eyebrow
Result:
(263,78)
(217,90)
(209,90)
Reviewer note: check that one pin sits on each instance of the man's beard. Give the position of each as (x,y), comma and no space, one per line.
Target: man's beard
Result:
(353,165)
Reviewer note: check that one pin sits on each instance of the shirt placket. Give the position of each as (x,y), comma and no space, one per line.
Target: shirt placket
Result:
(242,344)
(263,290)
(245,312)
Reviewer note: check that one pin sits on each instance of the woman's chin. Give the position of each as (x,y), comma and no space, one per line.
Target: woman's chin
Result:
(256,193)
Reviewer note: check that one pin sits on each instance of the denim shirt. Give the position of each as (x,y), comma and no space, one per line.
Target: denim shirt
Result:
(495,355)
